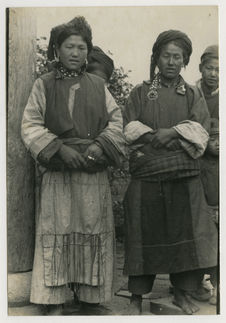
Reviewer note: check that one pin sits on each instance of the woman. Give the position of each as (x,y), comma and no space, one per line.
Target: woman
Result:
(73,129)
(168,229)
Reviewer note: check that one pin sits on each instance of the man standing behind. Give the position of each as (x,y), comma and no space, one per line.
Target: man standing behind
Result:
(208,85)
(100,64)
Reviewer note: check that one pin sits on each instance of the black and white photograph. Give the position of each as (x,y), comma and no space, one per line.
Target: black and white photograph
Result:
(112,194)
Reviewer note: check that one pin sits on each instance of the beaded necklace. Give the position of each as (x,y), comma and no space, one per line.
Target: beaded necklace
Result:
(63,72)
(157,84)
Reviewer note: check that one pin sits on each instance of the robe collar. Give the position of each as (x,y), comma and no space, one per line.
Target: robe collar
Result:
(157,83)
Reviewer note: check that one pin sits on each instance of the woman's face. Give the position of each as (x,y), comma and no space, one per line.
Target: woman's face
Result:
(73,52)
(170,61)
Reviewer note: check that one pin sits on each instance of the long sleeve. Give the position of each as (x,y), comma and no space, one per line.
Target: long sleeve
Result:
(113,133)
(194,132)
(34,134)
(133,128)
(194,138)
(133,106)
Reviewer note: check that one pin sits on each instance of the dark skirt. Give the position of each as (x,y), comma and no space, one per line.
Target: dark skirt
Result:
(168,227)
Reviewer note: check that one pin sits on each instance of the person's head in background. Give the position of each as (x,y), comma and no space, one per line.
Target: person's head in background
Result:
(209,68)
(100,64)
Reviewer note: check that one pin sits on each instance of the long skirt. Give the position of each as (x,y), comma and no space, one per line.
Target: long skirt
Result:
(74,238)
(168,227)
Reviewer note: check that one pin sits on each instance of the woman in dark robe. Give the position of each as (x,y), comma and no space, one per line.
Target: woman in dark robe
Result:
(73,129)
(168,228)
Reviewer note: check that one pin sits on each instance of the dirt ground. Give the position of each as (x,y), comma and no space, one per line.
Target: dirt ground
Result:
(159,302)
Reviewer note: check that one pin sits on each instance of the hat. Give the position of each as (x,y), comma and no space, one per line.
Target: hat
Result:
(210,52)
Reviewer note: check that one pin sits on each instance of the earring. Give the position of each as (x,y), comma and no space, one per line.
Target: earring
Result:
(85,64)
(57,59)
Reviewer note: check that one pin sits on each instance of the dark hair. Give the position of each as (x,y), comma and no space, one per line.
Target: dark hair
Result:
(67,33)
(177,37)
(77,26)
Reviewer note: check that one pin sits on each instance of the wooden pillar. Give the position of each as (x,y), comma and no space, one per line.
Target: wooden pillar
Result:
(20,172)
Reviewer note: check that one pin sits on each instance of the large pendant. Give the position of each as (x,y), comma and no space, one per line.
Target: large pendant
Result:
(181,89)
(152,94)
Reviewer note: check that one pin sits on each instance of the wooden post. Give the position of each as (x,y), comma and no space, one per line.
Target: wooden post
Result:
(20,172)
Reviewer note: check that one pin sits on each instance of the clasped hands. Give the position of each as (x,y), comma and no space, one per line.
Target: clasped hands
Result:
(163,137)
(75,160)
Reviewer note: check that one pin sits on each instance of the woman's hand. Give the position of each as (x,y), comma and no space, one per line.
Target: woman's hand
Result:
(93,152)
(71,157)
(174,144)
(163,137)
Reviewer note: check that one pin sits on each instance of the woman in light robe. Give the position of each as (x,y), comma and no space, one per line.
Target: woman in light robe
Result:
(73,129)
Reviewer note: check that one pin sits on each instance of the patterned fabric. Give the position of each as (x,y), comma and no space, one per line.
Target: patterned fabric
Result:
(65,72)
(147,166)
(62,251)
(157,84)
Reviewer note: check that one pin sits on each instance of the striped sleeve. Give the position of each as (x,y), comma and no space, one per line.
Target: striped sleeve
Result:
(33,131)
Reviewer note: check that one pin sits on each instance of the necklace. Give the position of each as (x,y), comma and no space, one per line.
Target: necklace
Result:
(157,84)
(63,72)
(153,89)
